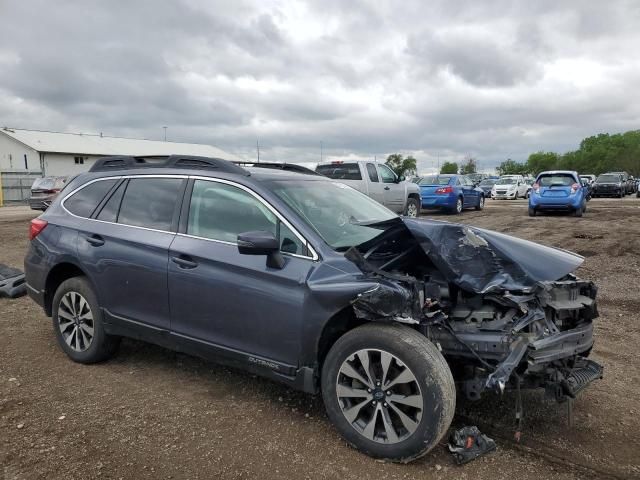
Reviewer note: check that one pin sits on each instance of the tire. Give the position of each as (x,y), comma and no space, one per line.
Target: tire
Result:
(413,208)
(621,194)
(532,212)
(578,212)
(78,325)
(480,205)
(430,388)
(459,206)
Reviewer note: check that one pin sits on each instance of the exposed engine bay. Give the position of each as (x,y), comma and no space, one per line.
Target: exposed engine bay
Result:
(505,312)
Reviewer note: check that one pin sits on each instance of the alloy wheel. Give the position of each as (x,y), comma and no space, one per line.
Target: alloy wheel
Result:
(379,396)
(75,321)
(412,210)
(459,206)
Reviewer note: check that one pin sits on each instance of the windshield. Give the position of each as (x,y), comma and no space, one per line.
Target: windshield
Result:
(340,171)
(338,213)
(608,179)
(487,183)
(507,181)
(436,180)
(556,180)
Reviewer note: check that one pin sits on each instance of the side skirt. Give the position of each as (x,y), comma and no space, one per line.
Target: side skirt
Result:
(303,378)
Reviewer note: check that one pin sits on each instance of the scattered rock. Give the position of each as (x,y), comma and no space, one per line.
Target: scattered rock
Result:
(20,426)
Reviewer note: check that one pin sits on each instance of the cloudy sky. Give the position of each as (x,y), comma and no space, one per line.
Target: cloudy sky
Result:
(440,79)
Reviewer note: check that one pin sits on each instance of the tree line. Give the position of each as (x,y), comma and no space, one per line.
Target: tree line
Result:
(597,154)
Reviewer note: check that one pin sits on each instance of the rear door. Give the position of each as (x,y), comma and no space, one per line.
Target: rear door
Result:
(555,187)
(232,302)
(125,247)
(468,191)
(394,192)
(376,189)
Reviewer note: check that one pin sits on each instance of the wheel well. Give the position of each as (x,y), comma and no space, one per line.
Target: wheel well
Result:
(415,196)
(338,325)
(57,275)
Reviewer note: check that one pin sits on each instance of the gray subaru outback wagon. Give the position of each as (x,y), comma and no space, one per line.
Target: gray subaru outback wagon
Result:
(309,282)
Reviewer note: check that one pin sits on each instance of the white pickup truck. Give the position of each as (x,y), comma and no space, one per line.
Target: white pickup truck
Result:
(378,182)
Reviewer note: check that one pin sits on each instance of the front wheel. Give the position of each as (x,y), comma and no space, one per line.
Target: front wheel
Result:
(388,391)
(78,325)
(480,205)
(413,208)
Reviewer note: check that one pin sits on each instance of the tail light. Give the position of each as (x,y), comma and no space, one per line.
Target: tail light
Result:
(575,187)
(447,189)
(37,226)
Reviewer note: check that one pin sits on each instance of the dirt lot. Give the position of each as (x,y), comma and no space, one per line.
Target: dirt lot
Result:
(150,413)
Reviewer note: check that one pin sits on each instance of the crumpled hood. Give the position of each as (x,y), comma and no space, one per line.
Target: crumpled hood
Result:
(480,260)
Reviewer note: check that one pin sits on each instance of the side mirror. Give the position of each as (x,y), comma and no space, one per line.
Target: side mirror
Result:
(261,243)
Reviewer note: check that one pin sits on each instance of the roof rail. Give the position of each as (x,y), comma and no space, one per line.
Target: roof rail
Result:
(124,162)
(289,167)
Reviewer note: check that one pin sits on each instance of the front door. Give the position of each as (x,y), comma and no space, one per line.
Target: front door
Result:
(231,301)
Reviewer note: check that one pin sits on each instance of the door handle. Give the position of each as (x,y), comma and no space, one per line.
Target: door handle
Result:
(95,240)
(387,188)
(184,261)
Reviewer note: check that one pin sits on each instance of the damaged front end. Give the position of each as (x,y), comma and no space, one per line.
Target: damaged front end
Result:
(505,312)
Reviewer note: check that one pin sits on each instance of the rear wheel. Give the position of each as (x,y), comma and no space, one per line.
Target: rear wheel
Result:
(413,208)
(578,212)
(458,207)
(389,391)
(77,322)
(532,212)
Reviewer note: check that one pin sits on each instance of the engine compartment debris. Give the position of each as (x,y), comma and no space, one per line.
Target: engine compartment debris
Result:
(12,283)
(468,443)
(505,312)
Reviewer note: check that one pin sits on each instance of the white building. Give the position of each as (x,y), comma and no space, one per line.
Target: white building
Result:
(54,153)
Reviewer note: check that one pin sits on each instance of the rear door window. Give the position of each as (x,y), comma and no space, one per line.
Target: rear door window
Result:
(85,201)
(371,170)
(340,171)
(109,211)
(150,202)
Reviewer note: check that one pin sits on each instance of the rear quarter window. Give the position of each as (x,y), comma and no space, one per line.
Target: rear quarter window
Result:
(340,171)
(85,201)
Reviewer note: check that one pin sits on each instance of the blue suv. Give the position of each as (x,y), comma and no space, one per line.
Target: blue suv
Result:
(558,190)
(308,282)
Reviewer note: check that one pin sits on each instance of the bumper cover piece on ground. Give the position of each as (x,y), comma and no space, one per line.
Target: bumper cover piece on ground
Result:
(12,283)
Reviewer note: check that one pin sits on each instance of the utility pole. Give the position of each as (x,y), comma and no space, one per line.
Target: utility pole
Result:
(165,133)
(258,149)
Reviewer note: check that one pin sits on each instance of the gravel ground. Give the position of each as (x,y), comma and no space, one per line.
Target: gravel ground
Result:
(151,413)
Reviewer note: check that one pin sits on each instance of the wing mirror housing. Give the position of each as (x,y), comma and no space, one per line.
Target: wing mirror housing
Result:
(401,178)
(261,243)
